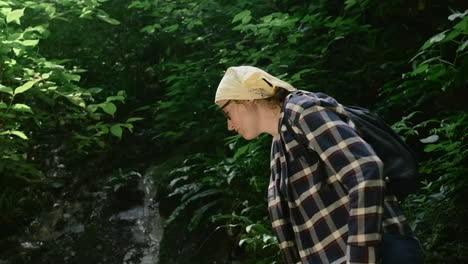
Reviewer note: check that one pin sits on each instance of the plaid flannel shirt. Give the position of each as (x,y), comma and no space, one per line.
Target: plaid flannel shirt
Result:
(326,194)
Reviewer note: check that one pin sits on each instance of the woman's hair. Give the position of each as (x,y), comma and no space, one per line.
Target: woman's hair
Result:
(273,101)
(278,97)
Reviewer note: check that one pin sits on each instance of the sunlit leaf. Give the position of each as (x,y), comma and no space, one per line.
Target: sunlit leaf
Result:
(463,46)
(457,15)
(23,88)
(5,89)
(15,16)
(430,139)
(248,228)
(19,134)
(115,98)
(30,42)
(437,38)
(21,108)
(50,10)
(105,17)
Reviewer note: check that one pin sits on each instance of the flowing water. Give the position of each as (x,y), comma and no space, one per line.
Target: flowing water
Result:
(147,228)
(106,226)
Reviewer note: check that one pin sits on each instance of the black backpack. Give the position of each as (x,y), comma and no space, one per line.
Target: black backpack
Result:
(400,165)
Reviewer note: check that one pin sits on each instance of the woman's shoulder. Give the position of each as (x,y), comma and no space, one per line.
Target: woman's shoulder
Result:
(302,99)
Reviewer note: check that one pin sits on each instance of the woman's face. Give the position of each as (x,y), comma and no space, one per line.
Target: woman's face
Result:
(242,116)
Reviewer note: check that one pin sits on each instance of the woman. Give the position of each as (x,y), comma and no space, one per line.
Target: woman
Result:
(326,194)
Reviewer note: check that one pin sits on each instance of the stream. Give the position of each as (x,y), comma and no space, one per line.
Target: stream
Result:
(117,224)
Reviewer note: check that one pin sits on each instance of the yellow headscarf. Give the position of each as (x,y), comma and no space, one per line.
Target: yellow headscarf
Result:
(248,83)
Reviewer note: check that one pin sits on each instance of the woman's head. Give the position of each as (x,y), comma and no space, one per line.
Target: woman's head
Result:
(249,98)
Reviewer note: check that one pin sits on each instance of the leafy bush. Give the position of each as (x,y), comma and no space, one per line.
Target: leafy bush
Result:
(44,112)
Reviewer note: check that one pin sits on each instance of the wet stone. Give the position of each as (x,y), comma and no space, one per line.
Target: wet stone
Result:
(106,229)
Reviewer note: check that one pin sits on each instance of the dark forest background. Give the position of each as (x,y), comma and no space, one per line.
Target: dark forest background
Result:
(94,90)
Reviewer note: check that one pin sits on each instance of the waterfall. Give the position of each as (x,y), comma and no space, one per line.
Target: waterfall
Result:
(147,229)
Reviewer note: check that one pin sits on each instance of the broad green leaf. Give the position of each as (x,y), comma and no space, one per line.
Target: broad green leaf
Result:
(17,51)
(128,126)
(15,16)
(241,15)
(25,87)
(248,228)
(105,17)
(5,89)
(86,12)
(430,139)
(457,15)
(21,108)
(462,25)
(50,10)
(30,42)
(246,19)
(433,147)
(19,134)
(73,77)
(111,20)
(76,100)
(349,3)
(3,105)
(171,28)
(133,119)
(151,28)
(109,108)
(453,34)
(39,29)
(199,213)
(421,68)
(241,151)
(95,90)
(115,98)
(437,38)
(463,46)
(139,4)
(116,130)
(92,108)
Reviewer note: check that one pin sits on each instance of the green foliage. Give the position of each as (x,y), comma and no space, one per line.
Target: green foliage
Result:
(437,211)
(439,73)
(44,111)
(120,179)
(439,68)
(227,195)
(68,99)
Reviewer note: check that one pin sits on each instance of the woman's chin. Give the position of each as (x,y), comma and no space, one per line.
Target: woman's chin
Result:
(248,137)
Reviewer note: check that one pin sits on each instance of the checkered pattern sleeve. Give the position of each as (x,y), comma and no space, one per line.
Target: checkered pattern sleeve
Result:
(321,124)
(280,214)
